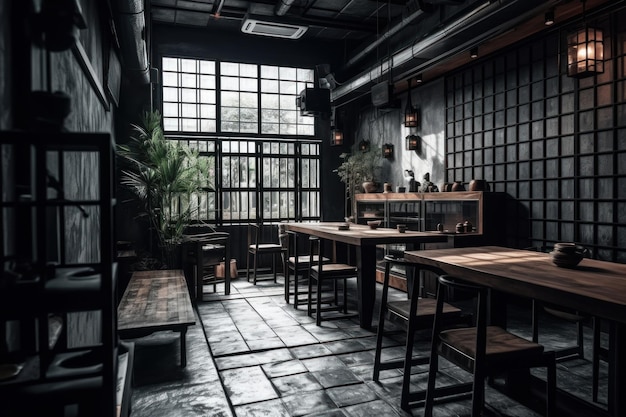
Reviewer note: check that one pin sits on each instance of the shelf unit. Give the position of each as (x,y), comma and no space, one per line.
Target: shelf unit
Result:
(56,219)
(425,211)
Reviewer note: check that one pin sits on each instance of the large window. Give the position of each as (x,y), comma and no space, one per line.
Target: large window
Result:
(272,173)
(254,179)
(227,97)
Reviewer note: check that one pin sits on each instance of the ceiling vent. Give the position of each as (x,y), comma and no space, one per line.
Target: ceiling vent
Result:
(264,27)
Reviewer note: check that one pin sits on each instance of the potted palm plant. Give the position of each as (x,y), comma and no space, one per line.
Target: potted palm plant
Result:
(163,175)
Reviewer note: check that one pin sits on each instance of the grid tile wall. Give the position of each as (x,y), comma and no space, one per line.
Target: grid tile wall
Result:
(555,144)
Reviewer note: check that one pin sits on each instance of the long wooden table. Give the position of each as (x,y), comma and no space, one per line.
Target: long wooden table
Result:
(156,301)
(595,287)
(365,241)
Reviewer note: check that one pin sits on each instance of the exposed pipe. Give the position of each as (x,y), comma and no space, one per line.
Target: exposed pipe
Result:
(131,26)
(404,23)
(473,17)
(403,55)
(283,6)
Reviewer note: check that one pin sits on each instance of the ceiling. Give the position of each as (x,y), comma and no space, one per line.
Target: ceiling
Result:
(428,37)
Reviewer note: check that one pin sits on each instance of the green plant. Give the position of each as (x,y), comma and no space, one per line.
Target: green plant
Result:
(359,167)
(356,169)
(163,175)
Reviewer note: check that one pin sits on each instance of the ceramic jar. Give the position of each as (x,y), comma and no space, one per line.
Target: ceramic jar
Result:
(478,185)
(457,186)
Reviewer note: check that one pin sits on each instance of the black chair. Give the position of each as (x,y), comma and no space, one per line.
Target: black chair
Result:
(415,314)
(257,248)
(322,273)
(485,351)
(578,319)
(297,263)
(202,254)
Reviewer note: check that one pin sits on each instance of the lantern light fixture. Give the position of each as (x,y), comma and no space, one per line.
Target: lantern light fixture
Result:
(585,51)
(474,52)
(364,145)
(411,115)
(336,137)
(388,151)
(412,142)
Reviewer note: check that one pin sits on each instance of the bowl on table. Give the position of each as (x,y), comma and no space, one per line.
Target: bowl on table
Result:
(373,224)
(568,255)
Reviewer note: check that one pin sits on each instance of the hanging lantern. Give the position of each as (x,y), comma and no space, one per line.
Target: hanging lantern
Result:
(336,137)
(585,53)
(412,142)
(410,113)
(387,150)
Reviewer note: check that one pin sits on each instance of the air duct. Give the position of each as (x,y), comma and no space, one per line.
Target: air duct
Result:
(130,25)
(439,45)
(283,7)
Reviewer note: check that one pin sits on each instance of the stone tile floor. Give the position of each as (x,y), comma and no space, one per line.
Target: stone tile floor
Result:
(251,354)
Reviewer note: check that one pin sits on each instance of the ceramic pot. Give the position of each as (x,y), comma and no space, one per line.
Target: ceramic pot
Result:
(457,186)
(369,187)
(478,185)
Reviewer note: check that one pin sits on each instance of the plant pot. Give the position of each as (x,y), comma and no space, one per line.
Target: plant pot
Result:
(370,186)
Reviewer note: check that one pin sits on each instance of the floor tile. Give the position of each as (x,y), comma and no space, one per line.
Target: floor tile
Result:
(293,384)
(271,408)
(351,394)
(308,403)
(247,385)
(335,377)
(284,368)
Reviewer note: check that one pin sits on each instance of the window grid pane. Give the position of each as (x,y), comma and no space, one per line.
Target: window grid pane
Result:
(189,95)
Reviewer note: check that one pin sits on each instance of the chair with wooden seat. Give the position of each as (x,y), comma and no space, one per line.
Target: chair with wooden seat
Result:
(483,350)
(414,314)
(202,255)
(257,248)
(321,273)
(296,262)
(578,319)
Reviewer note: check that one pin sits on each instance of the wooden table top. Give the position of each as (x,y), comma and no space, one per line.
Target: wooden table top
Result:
(596,287)
(155,300)
(360,235)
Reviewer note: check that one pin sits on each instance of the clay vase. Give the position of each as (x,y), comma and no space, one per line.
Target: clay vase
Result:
(369,186)
(445,187)
(478,185)
(457,186)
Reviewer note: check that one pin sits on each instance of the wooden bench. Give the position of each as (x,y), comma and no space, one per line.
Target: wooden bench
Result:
(156,301)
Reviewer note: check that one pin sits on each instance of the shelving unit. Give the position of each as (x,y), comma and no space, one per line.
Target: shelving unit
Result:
(56,219)
(425,211)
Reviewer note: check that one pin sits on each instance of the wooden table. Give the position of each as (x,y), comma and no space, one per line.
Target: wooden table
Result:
(156,301)
(365,241)
(594,287)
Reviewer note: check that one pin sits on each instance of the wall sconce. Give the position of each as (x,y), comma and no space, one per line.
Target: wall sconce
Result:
(411,115)
(585,51)
(387,150)
(336,137)
(419,79)
(412,142)
(364,145)
(474,52)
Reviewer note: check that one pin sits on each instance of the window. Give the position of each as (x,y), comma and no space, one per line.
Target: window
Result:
(272,174)
(253,99)
(257,180)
